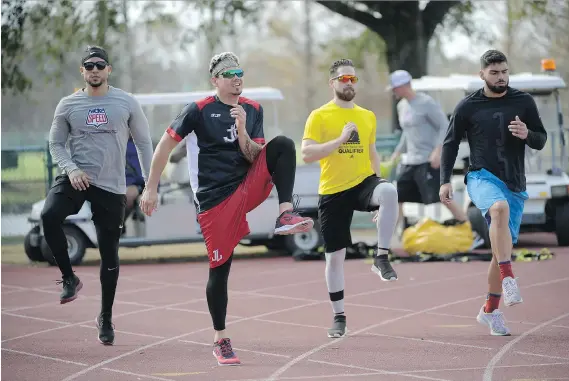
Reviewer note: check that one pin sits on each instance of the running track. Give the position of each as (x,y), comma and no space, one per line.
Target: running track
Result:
(421,327)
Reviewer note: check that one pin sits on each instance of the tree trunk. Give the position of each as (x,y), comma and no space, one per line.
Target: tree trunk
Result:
(407,49)
(102,23)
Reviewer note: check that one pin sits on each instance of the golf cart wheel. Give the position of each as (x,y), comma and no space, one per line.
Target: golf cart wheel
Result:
(479,225)
(562,224)
(33,252)
(76,246)
(309,241)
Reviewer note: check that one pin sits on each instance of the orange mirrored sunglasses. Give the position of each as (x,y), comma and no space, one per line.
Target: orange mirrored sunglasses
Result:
(346,78)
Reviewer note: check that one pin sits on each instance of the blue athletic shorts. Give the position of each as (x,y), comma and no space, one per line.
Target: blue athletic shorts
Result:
(485,189)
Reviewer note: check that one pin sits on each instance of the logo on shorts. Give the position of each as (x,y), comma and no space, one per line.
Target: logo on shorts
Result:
(216,256)
(96,117)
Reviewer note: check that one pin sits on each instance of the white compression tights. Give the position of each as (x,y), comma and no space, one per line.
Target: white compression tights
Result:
(384,196)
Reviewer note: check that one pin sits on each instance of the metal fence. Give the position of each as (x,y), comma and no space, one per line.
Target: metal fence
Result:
(28,172)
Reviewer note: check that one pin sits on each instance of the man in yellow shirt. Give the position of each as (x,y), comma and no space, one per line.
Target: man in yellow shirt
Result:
(341,135)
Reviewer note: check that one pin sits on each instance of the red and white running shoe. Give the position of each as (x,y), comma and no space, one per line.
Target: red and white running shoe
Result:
(224,353)
(291,222)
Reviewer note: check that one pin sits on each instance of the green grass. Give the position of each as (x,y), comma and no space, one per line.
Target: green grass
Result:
(31,167)
(25,184)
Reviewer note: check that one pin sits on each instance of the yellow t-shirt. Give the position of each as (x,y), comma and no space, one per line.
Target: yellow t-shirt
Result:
(350,164)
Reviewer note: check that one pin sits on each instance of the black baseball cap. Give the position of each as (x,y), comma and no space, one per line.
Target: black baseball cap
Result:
(95,51)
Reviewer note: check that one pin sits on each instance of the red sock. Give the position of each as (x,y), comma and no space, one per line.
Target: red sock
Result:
(506,269)
(492,303)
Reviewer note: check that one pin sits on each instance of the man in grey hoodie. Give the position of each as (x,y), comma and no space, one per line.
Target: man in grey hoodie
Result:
(424,127)
(96,121)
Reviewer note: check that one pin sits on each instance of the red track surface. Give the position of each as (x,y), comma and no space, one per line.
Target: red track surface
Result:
(420,327)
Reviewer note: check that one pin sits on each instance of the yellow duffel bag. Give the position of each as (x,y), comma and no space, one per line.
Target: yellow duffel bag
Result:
(429,236)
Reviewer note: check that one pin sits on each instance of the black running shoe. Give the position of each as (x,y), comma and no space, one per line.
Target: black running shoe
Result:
(106,329)
(382,267)
(71,286)
(339,327)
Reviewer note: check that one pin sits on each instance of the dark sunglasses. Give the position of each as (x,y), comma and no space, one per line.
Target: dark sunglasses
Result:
(100,65)
(232,73)
(347,78)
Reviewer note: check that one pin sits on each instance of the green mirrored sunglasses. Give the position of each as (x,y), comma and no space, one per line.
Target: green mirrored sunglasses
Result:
(232,73)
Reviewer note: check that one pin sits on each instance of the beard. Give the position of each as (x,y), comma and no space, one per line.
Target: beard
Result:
(95,83)
(497,89)
(347,94)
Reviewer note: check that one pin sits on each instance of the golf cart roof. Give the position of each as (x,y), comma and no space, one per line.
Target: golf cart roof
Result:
(469,83)
(182,98)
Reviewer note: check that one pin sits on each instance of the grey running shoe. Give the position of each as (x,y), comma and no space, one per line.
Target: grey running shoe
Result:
(382,267)
(339,327)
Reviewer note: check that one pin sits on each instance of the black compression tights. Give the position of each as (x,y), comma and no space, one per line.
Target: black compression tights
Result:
(281,163)
(216,292)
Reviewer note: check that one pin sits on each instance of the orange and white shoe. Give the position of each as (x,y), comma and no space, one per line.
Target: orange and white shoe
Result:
(224,354)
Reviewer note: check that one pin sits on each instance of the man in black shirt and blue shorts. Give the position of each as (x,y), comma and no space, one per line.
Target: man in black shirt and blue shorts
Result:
(232,171)
(499,122)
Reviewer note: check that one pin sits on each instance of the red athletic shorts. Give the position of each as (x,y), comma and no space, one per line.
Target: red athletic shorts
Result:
(224,225)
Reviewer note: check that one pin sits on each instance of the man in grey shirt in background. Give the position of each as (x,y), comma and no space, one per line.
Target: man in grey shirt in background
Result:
(96,122)
(424,127)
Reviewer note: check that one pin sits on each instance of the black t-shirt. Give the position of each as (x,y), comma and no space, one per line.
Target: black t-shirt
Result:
(216,164)
(492,146)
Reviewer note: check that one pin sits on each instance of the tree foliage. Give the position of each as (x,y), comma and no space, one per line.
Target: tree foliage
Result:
(13,20)
(403,25)
(406,27)
(356,48)
(218,18)
(49,29)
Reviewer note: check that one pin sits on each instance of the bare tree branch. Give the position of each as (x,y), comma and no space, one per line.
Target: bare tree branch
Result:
(378,25)
(433,15)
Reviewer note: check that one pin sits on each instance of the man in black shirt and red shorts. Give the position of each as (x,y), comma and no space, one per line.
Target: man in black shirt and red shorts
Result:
(499,122)
(232,171)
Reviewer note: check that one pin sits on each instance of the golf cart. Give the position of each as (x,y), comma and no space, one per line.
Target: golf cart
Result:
(175,220)
(547,209)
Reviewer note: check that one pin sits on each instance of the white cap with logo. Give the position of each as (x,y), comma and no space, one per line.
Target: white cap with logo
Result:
(399,78)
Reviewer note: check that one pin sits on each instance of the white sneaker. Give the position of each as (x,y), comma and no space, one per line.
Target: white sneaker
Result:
(511,292)
(495,320)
